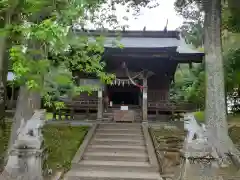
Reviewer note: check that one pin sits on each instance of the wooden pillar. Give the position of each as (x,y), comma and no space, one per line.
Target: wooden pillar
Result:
(100,105)
(144,101)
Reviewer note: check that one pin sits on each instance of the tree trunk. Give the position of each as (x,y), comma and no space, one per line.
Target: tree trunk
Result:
(216,115)
(3,62)
(2,88)
(27,102)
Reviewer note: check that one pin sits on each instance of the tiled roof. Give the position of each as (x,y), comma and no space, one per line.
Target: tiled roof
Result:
(144,39)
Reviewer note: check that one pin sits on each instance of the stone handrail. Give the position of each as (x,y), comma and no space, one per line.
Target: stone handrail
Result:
(150,147)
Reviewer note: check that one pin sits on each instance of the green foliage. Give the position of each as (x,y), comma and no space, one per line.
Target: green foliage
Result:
(192,28)
(232,68)
(62,142)
(200,117)
(230,10)
(189,85)
(45,27)
(232,20)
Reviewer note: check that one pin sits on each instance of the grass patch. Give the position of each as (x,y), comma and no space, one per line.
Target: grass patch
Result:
(4,138)
(200,117)
(234,118)
(62,142)
(234,133)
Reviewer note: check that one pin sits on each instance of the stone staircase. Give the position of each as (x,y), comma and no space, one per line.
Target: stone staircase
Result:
(115,152)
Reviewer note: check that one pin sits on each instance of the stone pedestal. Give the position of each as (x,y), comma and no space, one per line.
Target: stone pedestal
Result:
(25,157)
(24,164)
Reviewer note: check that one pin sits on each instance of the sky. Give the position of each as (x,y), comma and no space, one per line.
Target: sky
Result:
(155,18)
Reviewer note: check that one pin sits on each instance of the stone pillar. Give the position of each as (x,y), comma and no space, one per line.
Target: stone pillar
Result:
(100,105)
(144,101)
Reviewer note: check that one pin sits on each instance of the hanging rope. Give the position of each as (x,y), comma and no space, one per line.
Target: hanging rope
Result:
(130,78)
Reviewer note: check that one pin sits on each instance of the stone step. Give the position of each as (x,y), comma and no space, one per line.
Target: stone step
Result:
(108,115)
(111,175)
(120,166)
(117,131)
(118,136)
(120,127)
(112,156)
(112,141)
(121,124)
(116,148)
(107,119)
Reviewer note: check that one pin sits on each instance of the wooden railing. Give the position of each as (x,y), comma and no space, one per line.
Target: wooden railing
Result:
(172,106)
(82,104)
(71,106)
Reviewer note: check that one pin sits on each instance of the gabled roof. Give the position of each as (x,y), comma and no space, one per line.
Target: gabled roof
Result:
(143,39)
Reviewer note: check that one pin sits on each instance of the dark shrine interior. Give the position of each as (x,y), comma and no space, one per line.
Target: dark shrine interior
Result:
(124,98)
(124,95)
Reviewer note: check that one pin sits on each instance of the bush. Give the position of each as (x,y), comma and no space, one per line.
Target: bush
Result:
(200,117)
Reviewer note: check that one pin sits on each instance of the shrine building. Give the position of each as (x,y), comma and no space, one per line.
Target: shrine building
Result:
(144,70)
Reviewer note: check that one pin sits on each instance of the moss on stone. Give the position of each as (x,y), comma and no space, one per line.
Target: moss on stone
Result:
(4,138)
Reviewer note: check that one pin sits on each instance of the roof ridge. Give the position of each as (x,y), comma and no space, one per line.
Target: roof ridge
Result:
(131,33)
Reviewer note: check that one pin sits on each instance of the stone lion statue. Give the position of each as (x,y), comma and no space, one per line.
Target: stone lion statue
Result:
(29,132)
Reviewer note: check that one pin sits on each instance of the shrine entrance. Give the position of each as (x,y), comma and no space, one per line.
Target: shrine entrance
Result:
(129,95)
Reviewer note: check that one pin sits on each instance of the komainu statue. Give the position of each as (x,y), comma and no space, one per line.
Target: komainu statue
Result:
(25,157)
(201,158)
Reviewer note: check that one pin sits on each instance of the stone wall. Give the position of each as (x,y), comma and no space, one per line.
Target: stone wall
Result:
(168,142)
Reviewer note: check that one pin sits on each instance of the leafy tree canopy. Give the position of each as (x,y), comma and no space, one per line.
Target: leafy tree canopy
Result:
(231,9)
(45,27)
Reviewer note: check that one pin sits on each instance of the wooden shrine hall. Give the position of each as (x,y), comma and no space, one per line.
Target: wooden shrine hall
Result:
(144,70)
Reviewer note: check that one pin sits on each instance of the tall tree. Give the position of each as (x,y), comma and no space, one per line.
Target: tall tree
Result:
(216,117)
